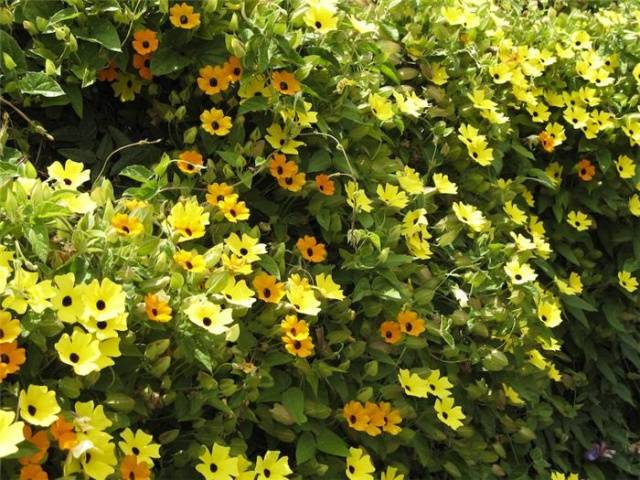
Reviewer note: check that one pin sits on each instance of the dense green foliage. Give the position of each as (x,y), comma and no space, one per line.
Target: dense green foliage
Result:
(483,156)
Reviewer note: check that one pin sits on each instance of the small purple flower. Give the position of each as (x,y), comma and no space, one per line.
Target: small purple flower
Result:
(598,451)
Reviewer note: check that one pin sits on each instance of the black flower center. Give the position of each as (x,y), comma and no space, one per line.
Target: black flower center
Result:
(184,19)
(67,301)
(352,419)
(389,334)
(352,469)
(206,321)
(445,415)
(100,305)
(284,86)
(266,292)
(213,468)
(67,181)
(32,410)
(518,277)
(102,324)
(310,252)
(280,170)
(74,358)
(154,312)
(213,82)
(188,231)
(409,327)
(125,229)
(145,44)
(318,25)
(215,125)
(267,472)
(237,71)
(1,333)
(189,265)
(135,450)
(4,358)
(297,345)
(243,251)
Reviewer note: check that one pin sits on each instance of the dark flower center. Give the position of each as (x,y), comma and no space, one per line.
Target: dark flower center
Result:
(266,292)
(74,357)
(188,231)
(318,25)
(267,472)
(1,333)
(154,312)
(389,334)
(310,252)
(409,327)
(280,170)
(352,469)
(67,301)
(215,125)
(352,419)
(67,181)
(213,468)
(297,345)
(518,276)
(4,358)
(145,44)
(125,229)
(284,86)
(445,415)
(243,251)
(288,180)
(213,82)
(237,71)
(135,450)
(184,19)
(100,305)
(32,410)
(101,325)
(206,321)
(189,265)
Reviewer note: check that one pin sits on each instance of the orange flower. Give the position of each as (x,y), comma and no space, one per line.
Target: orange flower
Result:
(213,80)
(142,63)
(182,16)
(279,167)
(145,42)
(285,83)
(325,184)
(108,73)
(157,308)
(33,472)
(40,440)
(293,183)
(217,192)
(390,331)
(311,250)
(268,289)
(356,416)
(410,323)
(11,357)
(548,143)
(130,469)
(586,170)
(234,69)
(392,418)
(63,432)
(190,162)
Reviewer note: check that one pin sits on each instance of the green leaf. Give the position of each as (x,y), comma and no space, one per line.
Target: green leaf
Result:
(577,302)
(101,31)
(38,83)
(520,150)
(293,400)
(11,48)
(38,237)
(329,442)
(167,60)
(253,104)
(305,447)
(270,266)
(25,449)
(139,173)
(319,161)
(232,158)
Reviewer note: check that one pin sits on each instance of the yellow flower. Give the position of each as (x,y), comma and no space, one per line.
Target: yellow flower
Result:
(11,433)
(282,140)
(71,176)
(217,464)
(519,273)
(139,444)
(272,467)
(573,286)
(381,107)
(9,328)
(634,205)
(25,291)
(210,316)
(410,103)
(578,220)
(444,185)
(328,288)
(215,122)
(321,17)
(188,219)
(448,413)
(550,314)
(581,40)
(233,210)
(627,281)
(80,350)
(437,385)
(190,260)
(292,327)
(512,395)
(106,327)
(392,474)
(126,225)
(303,299)
(439,74)
(246,247)
(104,300)
(480,153)
(300,348)
(516,215)
(500,73)
(183,16)
(38,405)
(392,196)
(126,87)
(68,298)
(626,167)
(469,134)
(554,172)
(359,465)
(157,307)
(237,293)
(410,181)
(357,198)
(470,215)
(413,384)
